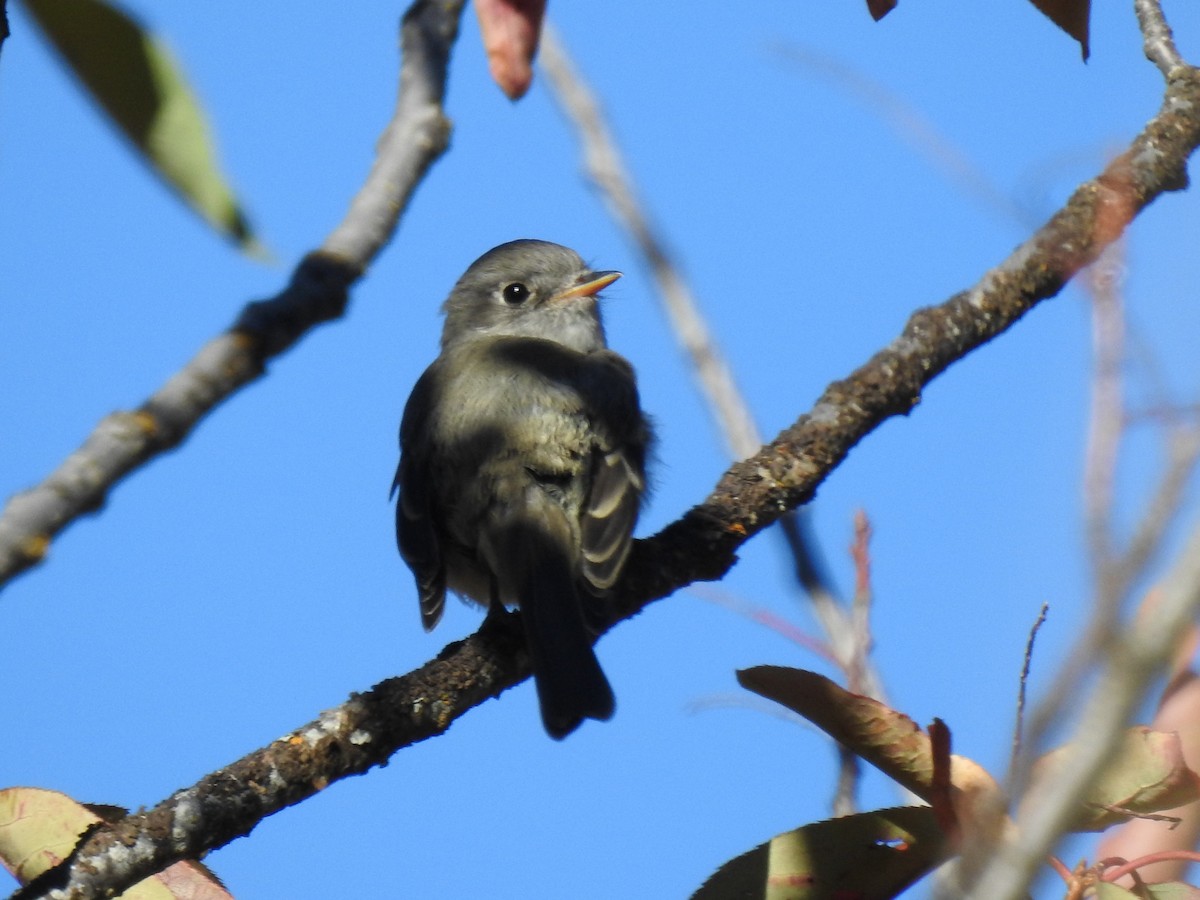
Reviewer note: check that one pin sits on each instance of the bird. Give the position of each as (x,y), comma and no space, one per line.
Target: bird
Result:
(523,452)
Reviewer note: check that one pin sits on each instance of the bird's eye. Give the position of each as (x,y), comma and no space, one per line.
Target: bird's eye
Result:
(515,294)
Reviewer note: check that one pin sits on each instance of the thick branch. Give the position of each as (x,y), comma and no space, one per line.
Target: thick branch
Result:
(416,136)
(369,727)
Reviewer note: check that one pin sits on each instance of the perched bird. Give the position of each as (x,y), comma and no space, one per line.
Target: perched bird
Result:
(522,464)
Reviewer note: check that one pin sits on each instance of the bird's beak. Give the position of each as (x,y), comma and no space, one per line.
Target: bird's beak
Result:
(592,283)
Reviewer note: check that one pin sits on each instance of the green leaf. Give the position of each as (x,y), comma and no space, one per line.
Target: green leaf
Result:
(137,81)
(875,854)
(1147,775)
(1167,890)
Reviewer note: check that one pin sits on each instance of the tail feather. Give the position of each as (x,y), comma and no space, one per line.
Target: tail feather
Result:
(570,683)
(532,553)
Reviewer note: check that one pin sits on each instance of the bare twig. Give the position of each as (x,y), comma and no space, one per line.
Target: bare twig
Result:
(317,292)
(1157,40)
(1129,867)
(910,124)
(859,674)
(1183,455)
(860,604)
(1023,684)
(1129,658)
(1116,570)
(845,794)
(770,619)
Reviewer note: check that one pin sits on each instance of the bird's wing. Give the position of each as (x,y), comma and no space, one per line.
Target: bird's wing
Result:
(416,534)
(608,516)
(618,467)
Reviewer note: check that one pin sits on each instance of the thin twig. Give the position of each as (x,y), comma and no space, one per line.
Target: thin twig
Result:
(1129,867)
(909,124)
(1162,511)
(318,291)
(1022,687)
(1106,422)
(770,619)
(845,795)
(860,604)
(1157,40)
(857,668)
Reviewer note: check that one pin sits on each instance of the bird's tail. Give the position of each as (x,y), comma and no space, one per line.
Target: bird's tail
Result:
(533,555)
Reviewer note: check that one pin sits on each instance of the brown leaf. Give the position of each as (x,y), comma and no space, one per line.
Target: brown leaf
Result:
(880,8)
(1072,16)
(887,739)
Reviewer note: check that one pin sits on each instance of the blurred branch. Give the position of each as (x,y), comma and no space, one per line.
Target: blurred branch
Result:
(1129,657)
(751,496)
(860,676)
(1134,661)
(910,125)
(735,422)
(1183,453)
(1106,421)
(317,292)
(1115,569)
(605,167)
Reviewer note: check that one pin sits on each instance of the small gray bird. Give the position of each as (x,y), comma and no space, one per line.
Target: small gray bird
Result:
(522,464)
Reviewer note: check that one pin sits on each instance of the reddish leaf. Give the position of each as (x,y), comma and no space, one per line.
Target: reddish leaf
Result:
(1072,16)
(880,8)
(510,36)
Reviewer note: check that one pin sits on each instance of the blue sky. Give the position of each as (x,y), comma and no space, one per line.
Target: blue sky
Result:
(233,589)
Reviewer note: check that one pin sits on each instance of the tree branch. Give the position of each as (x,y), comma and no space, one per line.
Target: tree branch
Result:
(753,494)
(1157,40)
(317,292)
